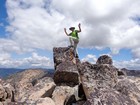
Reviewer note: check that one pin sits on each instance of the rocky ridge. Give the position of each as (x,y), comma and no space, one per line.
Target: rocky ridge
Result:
(73,83)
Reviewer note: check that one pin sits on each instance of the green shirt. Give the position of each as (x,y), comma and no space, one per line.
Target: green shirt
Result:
(74,34)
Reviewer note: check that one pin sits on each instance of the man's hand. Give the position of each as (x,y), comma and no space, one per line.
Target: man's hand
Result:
(65,31)
(79,25)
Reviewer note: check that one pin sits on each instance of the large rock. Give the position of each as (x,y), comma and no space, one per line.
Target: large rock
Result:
(6,92)
(102,86)
(43,88)
(135,80)
(65,68)
(24,81)
(108,97)
(129,89)
(97,76)
(2,93)
(67,73)
(104,59)
(62,54)
(62,95)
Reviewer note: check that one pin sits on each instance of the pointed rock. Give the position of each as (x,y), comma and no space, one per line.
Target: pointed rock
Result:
(104,59)
(65,66)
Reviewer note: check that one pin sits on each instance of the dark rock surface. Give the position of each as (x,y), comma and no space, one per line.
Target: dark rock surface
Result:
(129,89)
(102,87)
(104,59)
(6,92)
(65,66)
(97,76)
(62,54)
(66,72)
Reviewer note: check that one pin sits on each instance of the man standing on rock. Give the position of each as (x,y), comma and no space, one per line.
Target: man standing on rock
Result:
(74,38)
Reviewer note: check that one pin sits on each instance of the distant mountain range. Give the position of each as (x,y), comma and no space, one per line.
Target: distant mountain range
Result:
(4,72)
(131,72)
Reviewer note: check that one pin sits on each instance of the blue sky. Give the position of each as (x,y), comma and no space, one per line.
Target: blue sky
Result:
(3,16)
(29,29)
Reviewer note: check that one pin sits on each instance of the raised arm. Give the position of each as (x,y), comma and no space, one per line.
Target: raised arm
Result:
(66,32)
(79,25)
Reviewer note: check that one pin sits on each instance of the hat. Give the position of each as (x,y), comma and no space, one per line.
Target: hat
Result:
(71,28)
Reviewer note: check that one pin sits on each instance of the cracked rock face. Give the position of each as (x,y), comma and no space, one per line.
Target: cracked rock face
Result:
(6,92)
(67,73)
(108,97)
(2,91)
(97,76)
(62,54)
(129,89)
(65,69)
(102,87)
(62,94)
(23,81)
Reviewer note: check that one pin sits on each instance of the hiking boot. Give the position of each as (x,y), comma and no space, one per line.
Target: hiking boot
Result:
(76,56)
(70,46)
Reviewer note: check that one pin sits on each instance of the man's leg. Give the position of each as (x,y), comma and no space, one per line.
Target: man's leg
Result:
(71,41)
(76,41)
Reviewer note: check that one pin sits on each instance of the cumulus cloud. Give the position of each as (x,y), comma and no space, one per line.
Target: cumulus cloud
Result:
(4,56)
(38,24)
(32,25)
(9,46)
(35,61)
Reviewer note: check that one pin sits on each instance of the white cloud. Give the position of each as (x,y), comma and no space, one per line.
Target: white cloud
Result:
(34,61)
(90,58)
(4,56)
(39,61)
(38,24)
(34,26)
(9,46)
(131,65)
(136,52)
